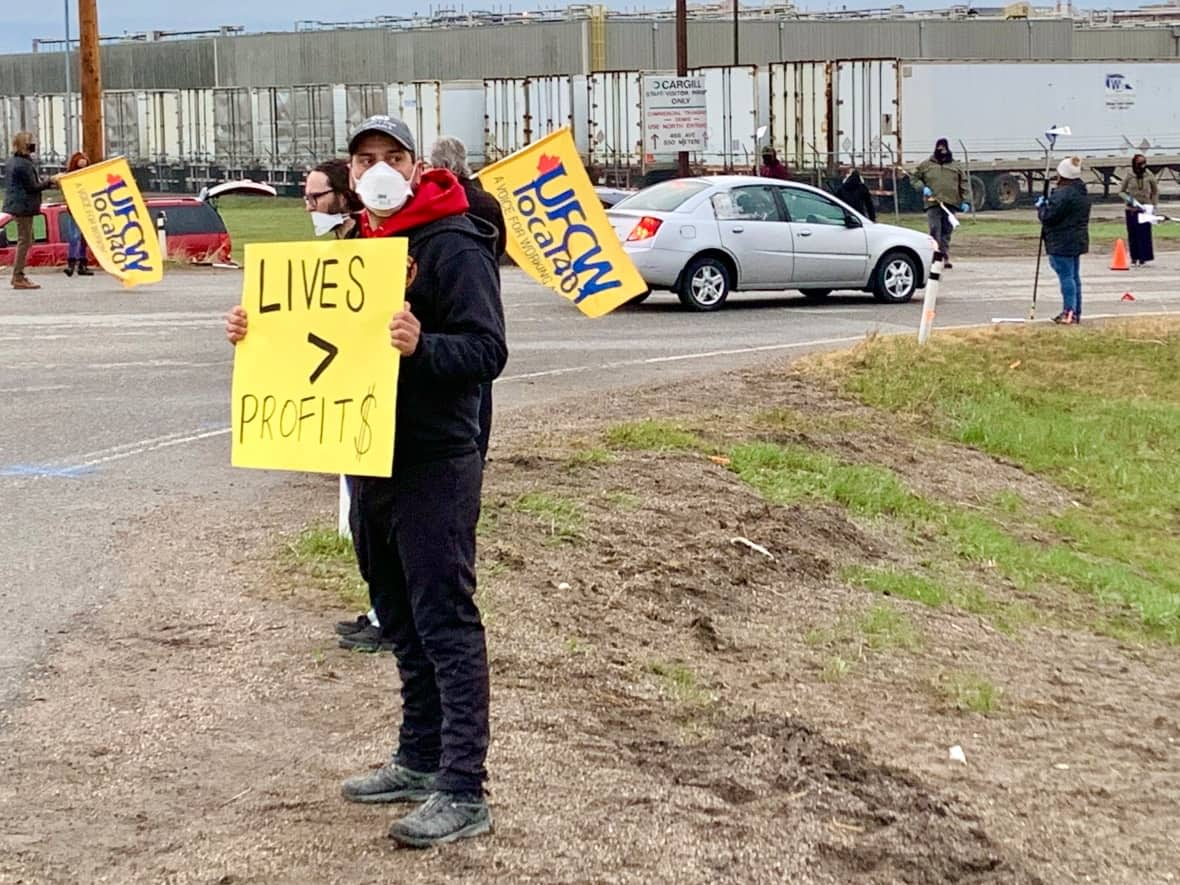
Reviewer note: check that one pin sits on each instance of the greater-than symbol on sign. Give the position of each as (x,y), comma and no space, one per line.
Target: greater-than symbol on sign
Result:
(330,349)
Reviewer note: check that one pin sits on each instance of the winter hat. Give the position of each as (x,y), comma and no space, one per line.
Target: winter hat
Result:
(1070,167)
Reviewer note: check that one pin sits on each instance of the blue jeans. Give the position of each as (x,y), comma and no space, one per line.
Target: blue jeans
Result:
(77,248)
(1068,269)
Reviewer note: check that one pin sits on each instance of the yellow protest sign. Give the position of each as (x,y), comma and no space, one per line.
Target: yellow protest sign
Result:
(315,378)
(557,229)
(107,207)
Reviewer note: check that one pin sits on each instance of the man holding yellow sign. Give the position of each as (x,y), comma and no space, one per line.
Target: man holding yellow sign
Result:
(414,531)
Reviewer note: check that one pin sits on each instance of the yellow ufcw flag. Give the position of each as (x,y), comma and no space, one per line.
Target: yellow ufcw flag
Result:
(107,207)
(557,229)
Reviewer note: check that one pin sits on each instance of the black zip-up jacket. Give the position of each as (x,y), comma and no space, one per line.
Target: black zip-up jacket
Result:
(1065,220)
(455,295)
(22,196)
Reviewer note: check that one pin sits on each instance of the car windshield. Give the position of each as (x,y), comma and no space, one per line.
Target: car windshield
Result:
(665,197)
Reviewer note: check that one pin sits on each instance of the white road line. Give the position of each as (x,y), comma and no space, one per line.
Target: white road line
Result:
(142,445)
(44,389)
(154,446)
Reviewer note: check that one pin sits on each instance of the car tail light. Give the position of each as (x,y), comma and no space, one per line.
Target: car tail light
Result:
(645,229)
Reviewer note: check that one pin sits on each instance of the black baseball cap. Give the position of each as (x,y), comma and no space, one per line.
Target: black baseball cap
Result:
(386,125)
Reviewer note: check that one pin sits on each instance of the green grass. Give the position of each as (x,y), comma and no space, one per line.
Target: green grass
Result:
(264,220)
(1097,412)
(883,626)
(906,585)
(1101,232)
(591,457)
(328,559)
(969,692)
(561,519)
(680,682)
(653,436)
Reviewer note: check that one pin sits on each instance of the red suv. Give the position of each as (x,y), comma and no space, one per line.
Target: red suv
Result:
(195,232)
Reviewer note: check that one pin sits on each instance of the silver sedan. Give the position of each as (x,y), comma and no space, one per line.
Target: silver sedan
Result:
(706,237)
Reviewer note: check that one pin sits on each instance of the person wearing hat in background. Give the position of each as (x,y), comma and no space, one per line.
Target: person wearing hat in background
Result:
(944,189)
(856,194)
(414,532)
(22,200)
(450,153)
(772,166)
(76,252)
(1065,226)
(1139,189)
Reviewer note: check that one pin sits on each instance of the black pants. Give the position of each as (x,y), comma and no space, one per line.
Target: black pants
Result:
(940,227)
(1139,238)
(415,541)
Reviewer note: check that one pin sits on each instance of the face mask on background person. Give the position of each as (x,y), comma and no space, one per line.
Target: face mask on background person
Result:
(383,190)
(326,222)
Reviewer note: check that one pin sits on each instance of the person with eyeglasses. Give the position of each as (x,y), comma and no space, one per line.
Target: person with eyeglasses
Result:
(329,199)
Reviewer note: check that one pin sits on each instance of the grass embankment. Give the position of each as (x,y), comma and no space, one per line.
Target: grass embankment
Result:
(264,220)
(1097,413)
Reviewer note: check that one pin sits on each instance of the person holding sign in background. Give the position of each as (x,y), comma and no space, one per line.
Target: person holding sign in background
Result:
(22,200)
(1141,192)
(415,531)
(76,253)
(944,189)
(450,153)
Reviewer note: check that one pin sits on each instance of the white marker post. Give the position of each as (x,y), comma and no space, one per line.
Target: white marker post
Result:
(931,298)
(162,232)
(342,525)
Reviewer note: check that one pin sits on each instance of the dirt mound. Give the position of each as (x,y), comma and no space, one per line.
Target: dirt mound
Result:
(856,820)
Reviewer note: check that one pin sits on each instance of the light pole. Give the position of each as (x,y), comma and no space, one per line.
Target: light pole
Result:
(682,69)
(69,90)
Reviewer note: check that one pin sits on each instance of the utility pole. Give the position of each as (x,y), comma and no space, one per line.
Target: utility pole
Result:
(682,68)
(91,76)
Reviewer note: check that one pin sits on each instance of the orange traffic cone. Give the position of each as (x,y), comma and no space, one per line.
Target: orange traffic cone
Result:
(1119,260)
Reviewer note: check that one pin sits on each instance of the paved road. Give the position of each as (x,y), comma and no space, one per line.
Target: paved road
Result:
(113,402)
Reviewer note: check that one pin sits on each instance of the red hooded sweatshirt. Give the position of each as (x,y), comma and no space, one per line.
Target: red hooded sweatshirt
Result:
(439,195)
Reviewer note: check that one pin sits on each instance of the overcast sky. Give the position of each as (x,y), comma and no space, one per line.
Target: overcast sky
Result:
(45,18)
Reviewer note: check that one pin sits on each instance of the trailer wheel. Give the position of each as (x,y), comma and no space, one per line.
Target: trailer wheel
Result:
(978,193)
(1004,191)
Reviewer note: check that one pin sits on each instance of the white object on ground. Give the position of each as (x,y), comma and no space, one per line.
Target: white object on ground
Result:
(757,548)
(342,525)
(930,299)
(957,755)
(563,586)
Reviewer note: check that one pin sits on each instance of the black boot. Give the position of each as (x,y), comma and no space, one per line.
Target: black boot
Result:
(83,270)
(69,268)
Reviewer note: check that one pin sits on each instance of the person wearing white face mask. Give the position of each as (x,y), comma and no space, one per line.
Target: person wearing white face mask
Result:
(330,200)
(414,532)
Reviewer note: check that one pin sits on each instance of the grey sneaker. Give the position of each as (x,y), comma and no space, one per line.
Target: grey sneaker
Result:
(443,818)
(389,783)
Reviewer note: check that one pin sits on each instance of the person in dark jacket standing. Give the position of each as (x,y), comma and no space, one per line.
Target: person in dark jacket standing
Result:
(1065,225)
(944,189)
(22,200)
(856,194)
(1139,189)
(414,532)
(450,153)
(772,166)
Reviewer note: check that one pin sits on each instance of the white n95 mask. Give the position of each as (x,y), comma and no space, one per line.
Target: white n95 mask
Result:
(383,189)
(325,223)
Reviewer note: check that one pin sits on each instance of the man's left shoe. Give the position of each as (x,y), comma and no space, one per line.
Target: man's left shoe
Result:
(366,639)
(445,817)
(83,270)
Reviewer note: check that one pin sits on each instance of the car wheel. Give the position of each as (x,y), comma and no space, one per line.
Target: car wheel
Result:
(896,278)
(816,294)
(704,285)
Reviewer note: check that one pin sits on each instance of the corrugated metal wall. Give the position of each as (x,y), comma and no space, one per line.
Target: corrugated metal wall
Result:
(380,56)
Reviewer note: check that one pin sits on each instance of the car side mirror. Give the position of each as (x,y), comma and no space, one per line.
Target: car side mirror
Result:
(851,220)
